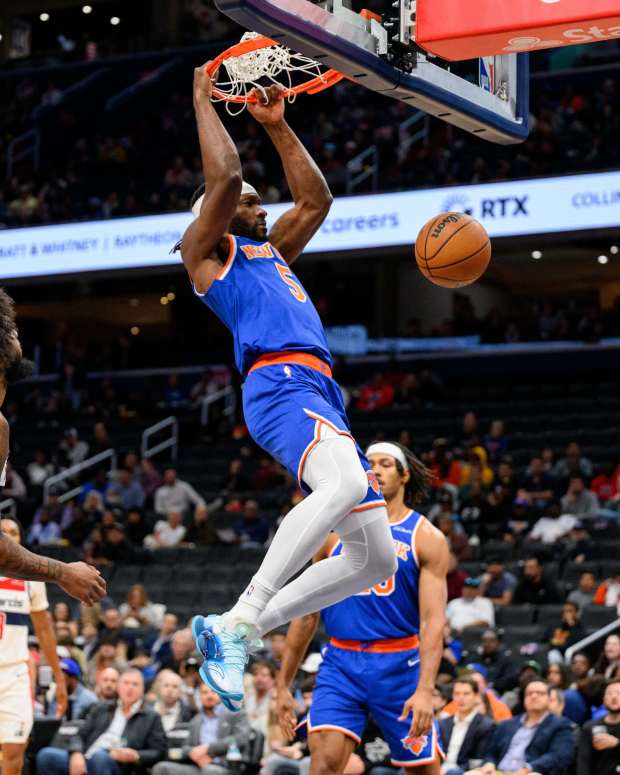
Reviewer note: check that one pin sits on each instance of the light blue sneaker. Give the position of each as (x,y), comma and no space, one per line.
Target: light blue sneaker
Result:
(225,654)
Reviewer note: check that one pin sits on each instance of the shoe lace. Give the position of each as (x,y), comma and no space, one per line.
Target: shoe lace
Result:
(234,651)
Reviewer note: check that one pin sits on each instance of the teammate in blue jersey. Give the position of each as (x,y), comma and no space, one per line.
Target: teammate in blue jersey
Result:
(292,406)
(386,642)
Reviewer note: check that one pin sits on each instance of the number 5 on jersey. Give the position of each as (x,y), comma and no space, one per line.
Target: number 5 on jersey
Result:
(286,274)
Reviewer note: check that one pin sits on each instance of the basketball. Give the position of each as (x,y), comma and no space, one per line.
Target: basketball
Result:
(452,250)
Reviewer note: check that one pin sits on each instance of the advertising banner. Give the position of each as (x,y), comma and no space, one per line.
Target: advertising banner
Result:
(505,26)
(514,208)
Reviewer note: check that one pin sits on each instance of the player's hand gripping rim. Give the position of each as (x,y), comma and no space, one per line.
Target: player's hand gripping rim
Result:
(420,707)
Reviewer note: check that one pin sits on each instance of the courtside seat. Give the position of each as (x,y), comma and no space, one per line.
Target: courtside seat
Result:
(547,615)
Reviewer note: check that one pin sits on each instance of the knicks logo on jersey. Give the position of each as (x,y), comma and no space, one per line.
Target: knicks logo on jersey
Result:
(373,483)
(415,744)
(258,251)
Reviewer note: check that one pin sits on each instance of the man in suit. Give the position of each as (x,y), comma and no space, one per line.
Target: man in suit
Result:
(211,732)
(171,708)
(536,742)
(466,734)
(124,737)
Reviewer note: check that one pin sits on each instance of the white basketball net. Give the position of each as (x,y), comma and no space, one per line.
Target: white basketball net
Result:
(245,71)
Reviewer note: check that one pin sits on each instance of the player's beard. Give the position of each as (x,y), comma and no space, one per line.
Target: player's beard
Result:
(241,228)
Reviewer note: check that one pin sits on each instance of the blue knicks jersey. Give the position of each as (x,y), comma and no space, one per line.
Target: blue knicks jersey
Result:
(257,296)
(390,609)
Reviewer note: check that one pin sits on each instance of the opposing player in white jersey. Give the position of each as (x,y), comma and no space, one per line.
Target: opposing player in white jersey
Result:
(20,602)
(77,578)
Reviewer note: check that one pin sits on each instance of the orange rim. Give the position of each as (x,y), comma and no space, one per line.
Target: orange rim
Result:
(315,85)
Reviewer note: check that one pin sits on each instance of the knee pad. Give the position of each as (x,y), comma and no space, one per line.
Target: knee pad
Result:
(334,466)
(370,550)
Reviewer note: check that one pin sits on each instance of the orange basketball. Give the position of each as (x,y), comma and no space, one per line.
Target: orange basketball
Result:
(453,250)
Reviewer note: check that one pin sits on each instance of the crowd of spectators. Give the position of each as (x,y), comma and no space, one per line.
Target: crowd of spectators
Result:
(525,585)
(152,164)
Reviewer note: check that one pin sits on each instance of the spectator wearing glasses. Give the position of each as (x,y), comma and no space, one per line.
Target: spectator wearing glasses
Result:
(535,742)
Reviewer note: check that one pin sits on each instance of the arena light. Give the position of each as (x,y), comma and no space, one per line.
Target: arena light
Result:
(0,37)
(87,9)
(603,260)
(614,250)
(135,330)
(163,301)
(536,254)
(45,17)
(114,21)
(171,296)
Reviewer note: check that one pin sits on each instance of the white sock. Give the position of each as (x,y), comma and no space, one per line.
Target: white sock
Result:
(339,483)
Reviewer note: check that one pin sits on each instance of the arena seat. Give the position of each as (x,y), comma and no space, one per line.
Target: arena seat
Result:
(514,615)
(594,617)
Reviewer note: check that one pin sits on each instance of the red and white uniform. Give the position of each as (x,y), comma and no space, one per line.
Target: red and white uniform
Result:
(18,599)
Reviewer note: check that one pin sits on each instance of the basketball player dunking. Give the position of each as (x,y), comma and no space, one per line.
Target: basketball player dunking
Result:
(386,642)
(292,406)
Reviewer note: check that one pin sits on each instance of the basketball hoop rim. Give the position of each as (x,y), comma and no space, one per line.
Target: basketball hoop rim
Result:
(315,85)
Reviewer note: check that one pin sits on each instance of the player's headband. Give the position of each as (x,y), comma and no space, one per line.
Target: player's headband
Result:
(246,188)
(386,448)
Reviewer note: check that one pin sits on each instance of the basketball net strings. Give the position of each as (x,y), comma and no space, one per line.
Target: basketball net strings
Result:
(270,62)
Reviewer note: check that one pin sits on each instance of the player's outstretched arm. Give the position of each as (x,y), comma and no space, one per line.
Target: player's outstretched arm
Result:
(78,579)
(298,638)
(295,228)
(222,171)
(433,557)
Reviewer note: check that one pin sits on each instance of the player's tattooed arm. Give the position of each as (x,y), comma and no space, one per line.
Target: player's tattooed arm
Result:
(78,579)
(311,195)
(18,563)
(433,554)
(222,171)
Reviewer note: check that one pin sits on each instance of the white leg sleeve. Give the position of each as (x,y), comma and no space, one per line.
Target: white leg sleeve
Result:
(367,558)
(339,483)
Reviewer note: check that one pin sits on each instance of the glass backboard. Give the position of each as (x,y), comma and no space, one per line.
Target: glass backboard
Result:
(378,51)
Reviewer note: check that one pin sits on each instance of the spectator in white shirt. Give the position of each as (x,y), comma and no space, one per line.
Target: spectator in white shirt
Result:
(555,525)
(72,448)
(14,486)
(177,495)
(39,470)
(167,533)
(466,734)
(169,706)
(258,696)
(470,610)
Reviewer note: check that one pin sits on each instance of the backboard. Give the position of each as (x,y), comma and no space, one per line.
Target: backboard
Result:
(379,52)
